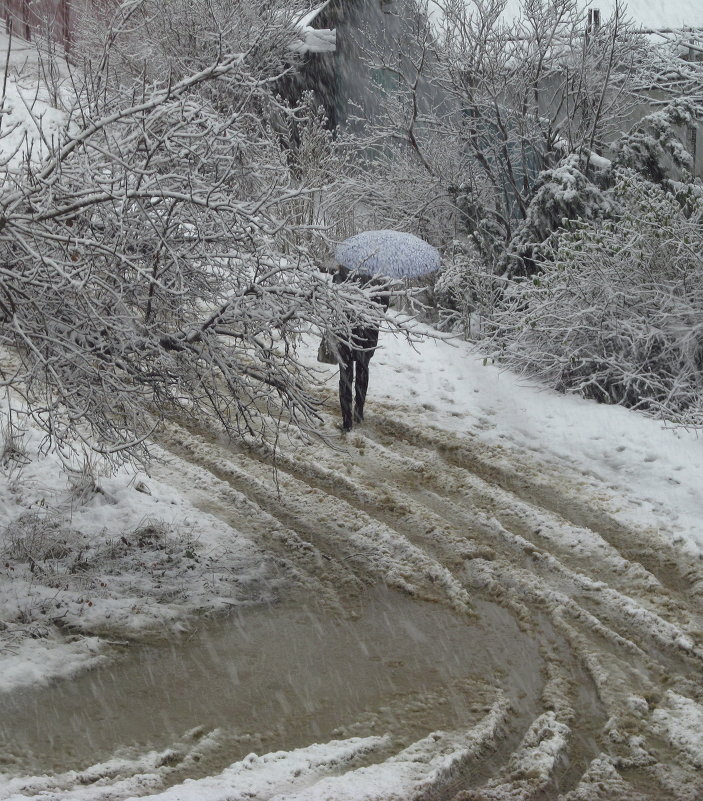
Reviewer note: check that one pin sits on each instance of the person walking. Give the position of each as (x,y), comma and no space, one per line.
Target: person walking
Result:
(354,356)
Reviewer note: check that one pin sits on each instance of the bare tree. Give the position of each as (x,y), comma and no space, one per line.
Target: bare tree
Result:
(481,104)
(152,259)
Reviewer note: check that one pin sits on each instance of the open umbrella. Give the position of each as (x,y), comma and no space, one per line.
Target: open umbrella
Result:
(393,254)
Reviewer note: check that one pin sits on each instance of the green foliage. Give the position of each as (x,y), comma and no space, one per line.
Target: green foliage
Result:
(562,195)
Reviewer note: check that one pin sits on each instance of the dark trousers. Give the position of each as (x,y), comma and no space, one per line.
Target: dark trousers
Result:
(354,375)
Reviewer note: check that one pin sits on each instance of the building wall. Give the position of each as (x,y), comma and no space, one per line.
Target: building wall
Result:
(33,19)
(56,20)
(344,80)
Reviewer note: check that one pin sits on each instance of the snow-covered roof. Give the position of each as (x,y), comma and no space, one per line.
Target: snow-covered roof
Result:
(314,40)
(314,12)
(658,14)
(650,14)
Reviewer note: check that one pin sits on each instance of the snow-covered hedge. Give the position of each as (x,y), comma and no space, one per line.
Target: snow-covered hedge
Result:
(616,309)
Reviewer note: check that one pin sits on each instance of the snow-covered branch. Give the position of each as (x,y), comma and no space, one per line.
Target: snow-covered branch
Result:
(156,258)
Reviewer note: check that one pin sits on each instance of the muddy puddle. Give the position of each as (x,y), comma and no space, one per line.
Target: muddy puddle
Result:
(280,677)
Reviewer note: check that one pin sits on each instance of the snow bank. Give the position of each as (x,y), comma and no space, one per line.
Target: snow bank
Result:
(649,472)
(84,553)
(332,771)
(33,114)
(680,719)
(283,774)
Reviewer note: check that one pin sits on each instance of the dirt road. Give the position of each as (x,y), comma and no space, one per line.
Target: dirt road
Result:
(593,688)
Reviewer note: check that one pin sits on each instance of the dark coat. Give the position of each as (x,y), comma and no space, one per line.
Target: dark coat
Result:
(355,355)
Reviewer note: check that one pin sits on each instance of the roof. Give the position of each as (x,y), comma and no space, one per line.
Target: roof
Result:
(649,14)
(311,39)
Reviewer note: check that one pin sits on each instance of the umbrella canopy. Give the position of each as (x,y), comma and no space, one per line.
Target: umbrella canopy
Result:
(389,253)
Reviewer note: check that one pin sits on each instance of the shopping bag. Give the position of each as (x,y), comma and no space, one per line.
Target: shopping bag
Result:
(327,353)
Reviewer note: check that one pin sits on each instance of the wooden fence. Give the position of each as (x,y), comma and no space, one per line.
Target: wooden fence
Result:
(33,19)
(56,20)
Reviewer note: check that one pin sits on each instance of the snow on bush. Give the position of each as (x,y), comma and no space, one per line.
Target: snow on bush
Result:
(616,309)
(86,550)
(654,147)
(59,574)
(466,291)
(561,194)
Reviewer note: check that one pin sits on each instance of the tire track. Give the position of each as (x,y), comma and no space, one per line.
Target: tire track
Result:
(520,531)
(510,471)
(615,613)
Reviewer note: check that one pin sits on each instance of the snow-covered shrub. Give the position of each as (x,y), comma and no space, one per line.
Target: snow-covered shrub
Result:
(83,477)
(38,539)
(654,147)
(465,291)
(615,311)
(561,194)
(55,574)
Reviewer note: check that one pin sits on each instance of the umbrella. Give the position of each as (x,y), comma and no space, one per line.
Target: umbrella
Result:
(389,253)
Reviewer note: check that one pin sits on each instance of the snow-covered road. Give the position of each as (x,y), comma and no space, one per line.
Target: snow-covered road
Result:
(562,537)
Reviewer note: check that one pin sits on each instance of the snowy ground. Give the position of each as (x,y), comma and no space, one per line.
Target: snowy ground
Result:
(35,90)
(541,636)
(466,486)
